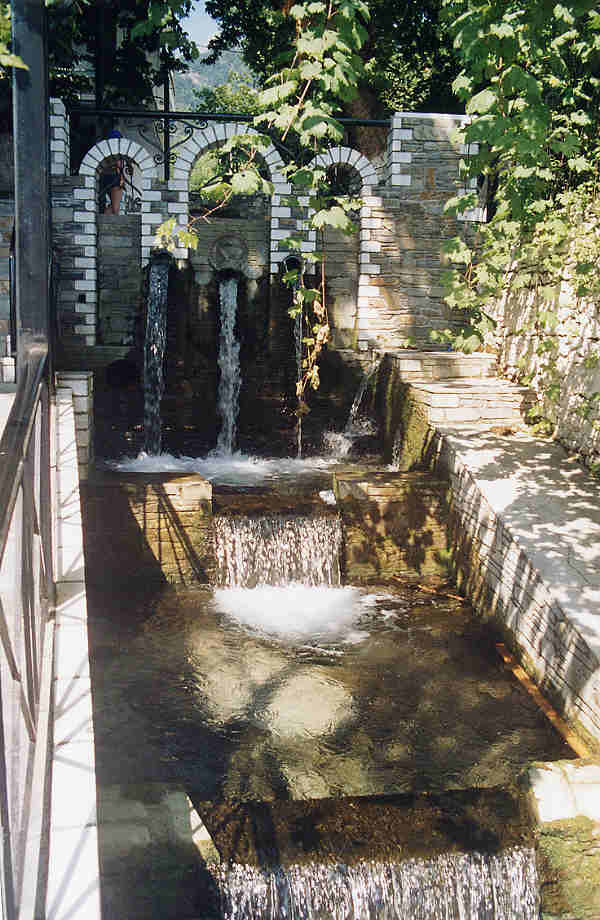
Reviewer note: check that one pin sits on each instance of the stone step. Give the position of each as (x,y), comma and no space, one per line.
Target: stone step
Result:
(489,401)
(440,365)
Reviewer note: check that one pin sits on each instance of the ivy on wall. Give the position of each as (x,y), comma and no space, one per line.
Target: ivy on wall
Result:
(531,82)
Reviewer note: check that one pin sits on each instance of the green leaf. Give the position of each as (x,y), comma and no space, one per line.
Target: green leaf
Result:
(332,217)
(245,182)
(482,102)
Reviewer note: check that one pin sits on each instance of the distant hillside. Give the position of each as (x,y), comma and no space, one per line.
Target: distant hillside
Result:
(200,75)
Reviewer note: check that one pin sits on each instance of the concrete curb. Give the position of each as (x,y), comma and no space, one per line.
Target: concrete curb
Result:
(73,891)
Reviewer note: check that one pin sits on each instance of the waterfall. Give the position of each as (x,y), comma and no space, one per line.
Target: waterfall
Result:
(354,421)
(230,380)
(340,443)
(154,350)
(452,886)
(276,550)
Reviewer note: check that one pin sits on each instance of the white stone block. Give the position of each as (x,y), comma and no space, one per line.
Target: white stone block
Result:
(551,794)
(152,218)
(400,180)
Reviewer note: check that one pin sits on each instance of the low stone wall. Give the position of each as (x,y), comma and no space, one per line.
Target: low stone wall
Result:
(565,801)
(561,363)
(81,386)
(160,526)
(394,526)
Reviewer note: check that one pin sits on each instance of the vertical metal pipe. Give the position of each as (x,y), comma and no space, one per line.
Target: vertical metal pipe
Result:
(32,171)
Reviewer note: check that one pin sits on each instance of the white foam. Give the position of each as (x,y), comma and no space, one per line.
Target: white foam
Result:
(295,611)
(227,469)
(328,496)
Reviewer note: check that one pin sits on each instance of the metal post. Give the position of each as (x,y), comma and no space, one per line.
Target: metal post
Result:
(167,126)
(32,170)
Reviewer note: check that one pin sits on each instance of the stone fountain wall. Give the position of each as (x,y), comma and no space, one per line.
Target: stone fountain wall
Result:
(383,283)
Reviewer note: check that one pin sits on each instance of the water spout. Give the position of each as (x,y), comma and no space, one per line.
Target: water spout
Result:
(154,350)
(230,380)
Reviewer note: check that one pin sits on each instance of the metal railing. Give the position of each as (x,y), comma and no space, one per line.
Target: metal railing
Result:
(26,639)
(165,131)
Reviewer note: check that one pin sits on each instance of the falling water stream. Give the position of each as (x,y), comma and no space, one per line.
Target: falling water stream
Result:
(277,550)
(452,886)
(229,366)
(359,423)
(154,350)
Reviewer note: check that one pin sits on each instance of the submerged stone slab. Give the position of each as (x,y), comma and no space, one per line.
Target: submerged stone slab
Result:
(394,827)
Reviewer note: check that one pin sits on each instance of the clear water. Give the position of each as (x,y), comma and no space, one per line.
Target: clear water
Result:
(303,692)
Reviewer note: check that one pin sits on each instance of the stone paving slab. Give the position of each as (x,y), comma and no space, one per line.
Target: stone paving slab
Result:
(551,504)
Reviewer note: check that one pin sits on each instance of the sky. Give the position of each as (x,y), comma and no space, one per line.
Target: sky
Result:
(199,25)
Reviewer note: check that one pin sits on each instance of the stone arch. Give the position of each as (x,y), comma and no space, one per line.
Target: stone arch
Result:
(211,136)
(346,156)
(215,134)
(368,256)
(87,217)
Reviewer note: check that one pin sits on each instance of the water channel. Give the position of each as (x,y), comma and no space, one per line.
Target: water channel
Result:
(352,749)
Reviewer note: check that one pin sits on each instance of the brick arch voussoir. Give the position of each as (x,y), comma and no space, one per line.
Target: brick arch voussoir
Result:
(113,146)
(195,146)
(347,156)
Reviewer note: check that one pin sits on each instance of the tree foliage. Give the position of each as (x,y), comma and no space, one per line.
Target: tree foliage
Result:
(237,95)
(531,82)
(121,52)
(407,51)
(7,58)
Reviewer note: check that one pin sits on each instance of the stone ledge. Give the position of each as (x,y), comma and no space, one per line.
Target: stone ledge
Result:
(526,532)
